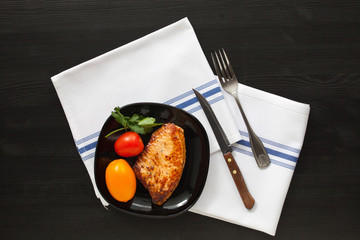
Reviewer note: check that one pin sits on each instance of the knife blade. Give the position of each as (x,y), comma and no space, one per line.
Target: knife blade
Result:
(226,149)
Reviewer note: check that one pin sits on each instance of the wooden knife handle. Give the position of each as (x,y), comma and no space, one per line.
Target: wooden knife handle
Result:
(248,200)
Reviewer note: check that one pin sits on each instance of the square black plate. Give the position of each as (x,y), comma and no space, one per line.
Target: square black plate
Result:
(195,171)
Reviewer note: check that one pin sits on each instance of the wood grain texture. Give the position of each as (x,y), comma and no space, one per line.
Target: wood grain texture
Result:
(239,181)
(308,51)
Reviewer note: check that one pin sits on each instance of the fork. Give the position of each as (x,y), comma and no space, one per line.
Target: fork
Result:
(229,83)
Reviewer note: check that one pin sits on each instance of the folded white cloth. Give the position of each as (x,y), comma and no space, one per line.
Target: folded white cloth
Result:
(281,125)
(163,67)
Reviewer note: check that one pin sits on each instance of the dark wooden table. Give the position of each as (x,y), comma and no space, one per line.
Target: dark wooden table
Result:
(307,51)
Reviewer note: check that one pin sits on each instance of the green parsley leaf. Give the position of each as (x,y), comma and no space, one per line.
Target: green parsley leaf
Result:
(136,123)
(119,117)
(135,118)
(147,121)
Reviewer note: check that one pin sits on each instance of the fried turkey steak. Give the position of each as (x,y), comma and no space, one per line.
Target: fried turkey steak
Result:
(159,167)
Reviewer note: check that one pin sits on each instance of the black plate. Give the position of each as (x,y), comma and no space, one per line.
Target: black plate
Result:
(196,166)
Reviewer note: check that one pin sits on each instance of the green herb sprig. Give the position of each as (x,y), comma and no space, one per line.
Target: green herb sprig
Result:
(136,123)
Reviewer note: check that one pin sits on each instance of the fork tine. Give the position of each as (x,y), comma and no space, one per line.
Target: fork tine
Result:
(228,63)
(221,68)
(228,75)
(216,68)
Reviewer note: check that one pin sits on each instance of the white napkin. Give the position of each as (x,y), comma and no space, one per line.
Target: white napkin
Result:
(281,125)
(163,67)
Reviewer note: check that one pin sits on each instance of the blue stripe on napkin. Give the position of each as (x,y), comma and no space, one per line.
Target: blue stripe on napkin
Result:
(87,147)
(195,100)
(82,140)
(271,151)
(190,92)
(275,144)
(282,164)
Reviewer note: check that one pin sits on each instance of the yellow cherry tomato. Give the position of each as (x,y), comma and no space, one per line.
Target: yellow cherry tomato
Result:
(120,180)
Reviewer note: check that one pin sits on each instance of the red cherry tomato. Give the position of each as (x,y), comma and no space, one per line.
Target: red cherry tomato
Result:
(129,144)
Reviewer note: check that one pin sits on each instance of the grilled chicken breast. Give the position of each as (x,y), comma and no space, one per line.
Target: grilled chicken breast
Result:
(159,167)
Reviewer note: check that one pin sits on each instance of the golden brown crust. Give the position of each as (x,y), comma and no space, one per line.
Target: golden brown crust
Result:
(159,167)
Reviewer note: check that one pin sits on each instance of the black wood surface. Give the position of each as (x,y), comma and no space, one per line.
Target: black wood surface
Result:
(308,51)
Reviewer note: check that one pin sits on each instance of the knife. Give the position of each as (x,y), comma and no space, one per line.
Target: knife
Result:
(226,149)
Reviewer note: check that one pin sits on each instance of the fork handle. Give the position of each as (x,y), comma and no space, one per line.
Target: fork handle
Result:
(238,178)
(261,157)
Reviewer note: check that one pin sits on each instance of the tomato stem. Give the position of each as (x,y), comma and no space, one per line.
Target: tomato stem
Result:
(117,130)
